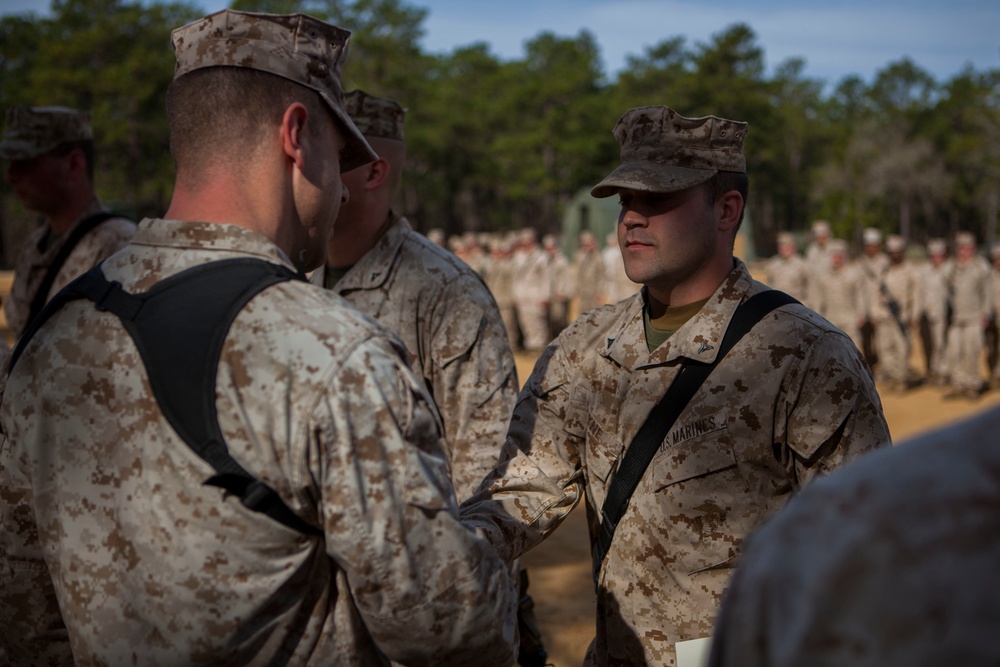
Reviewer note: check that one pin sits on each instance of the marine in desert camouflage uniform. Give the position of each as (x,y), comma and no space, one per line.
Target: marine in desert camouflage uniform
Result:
(532,289)
(841,297)
(590,273)
(51,170)
(890,562)
(437,305)
(787,271)
(993,331)
(872,264)
(891,304)
(115,524)
(794,399)
(971,305)
(933,296)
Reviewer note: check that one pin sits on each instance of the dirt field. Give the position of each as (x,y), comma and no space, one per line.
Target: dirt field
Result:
(559,569)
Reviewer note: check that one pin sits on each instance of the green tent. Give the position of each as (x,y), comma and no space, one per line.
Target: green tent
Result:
(584,212)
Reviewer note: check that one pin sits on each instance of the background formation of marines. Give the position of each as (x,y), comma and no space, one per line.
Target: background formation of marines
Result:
(894,299)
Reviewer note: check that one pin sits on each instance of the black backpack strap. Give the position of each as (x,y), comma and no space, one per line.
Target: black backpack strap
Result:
(179,328)
(74,238)
(663,415)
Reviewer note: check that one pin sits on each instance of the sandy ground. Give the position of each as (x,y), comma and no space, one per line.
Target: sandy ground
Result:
(559,568)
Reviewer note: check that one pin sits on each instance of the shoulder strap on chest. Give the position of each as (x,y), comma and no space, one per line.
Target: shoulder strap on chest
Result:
(74,238)
(663,415)
(179,328)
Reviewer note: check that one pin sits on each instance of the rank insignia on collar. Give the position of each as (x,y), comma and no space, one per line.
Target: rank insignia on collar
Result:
(610,342)
(705,347)
(376,275)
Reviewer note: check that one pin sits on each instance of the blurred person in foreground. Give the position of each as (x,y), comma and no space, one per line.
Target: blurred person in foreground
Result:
(50,154)
(889,562)
(792,400)
(117,542)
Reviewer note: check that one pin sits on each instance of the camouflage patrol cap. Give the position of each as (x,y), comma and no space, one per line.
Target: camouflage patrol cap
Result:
(871,236)
(297,47)
(821,228)
(965,240)
(838,247)
(32,131)
(936,247)
(662,151)
(786,238)
(375,116)
(895,243)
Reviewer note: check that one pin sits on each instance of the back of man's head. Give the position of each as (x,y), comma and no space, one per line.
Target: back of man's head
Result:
(236,73)
(380,119)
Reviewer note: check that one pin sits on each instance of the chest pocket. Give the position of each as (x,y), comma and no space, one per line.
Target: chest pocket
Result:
(694,449)
(603,451)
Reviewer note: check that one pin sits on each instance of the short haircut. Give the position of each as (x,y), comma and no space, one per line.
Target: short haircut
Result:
(723,182)
(86,146)
(221,115)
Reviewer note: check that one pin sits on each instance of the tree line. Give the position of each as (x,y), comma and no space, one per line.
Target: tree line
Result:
(498,144)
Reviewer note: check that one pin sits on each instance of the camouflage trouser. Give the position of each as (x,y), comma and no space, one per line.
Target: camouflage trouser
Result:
(936,330)
(965,345)
(892,347)
(534,320)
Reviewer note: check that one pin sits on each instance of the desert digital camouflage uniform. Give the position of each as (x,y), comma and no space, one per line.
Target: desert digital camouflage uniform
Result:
(994,342)
(532,287)
(971,304)
(724,466)
(932,300)
(500,281)
(315,400)
(452,329)
(34,259)
(841,297)
(891,307)
(590,274)
(34,131)
(818,258)
(790,273)
(890,562)
(561,285)
(872,264)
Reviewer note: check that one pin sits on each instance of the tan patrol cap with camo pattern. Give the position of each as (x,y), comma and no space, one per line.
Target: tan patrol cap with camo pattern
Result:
(375,116)
(662,151)
(297,47)
(33,131)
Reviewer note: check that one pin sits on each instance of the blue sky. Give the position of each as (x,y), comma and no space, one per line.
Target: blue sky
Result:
(835,38)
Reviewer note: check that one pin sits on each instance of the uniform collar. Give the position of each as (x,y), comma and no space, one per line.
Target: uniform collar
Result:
(699,339)
(208,236)
(374,268)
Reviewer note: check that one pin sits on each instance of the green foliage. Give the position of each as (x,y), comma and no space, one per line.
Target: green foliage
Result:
(498,144)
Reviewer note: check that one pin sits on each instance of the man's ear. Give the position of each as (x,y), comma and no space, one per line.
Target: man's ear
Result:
(76,161)
(378,173)
(293,131)
(729,208)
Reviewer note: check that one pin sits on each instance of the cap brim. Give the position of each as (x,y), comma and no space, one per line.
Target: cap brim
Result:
(650,177)
(12,149)
(356,151)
